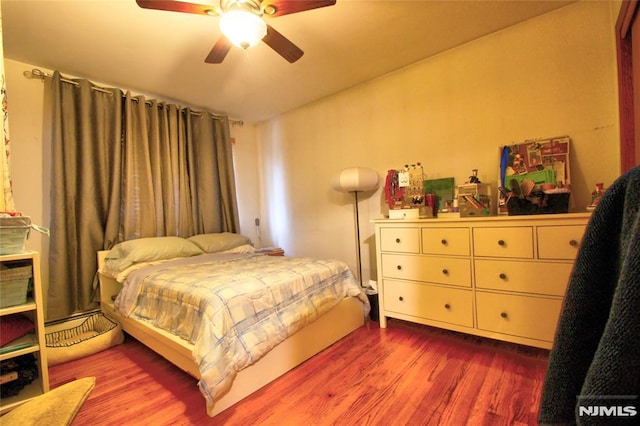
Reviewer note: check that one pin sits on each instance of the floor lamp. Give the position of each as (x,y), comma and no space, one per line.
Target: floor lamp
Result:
(357,179)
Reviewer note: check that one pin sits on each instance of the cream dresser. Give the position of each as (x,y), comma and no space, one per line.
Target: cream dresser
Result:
(502,277)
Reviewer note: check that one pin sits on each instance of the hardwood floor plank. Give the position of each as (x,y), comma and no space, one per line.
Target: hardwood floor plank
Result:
(406,374)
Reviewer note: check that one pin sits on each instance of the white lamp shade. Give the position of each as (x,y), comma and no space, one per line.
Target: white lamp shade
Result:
(243,28)
(356,179)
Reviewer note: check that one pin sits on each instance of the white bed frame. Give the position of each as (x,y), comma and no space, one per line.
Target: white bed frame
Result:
(328,329)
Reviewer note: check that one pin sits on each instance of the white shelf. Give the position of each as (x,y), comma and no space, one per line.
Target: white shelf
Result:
(32,343)
(30,305)
(24,345)
(30,391)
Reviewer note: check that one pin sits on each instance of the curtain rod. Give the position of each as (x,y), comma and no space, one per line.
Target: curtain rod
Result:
(40,75)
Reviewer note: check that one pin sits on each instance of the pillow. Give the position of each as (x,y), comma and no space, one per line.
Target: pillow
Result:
(213,243)
(13,327)
(121,276)
(244,248)
(130,252)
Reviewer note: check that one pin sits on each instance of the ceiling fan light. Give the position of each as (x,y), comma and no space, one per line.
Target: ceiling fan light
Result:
(244,29)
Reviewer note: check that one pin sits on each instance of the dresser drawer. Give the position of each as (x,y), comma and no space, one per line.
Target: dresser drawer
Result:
(450,305)
(524,277)
(441,270)
(559,242)
(447,241)
(524,316)
(504,242)
(401,240)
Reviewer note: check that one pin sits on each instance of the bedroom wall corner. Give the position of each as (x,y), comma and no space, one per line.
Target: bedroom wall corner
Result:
(30,182)
(245,164)
(550,76)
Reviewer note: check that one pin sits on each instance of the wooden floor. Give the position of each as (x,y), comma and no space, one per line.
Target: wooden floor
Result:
(403,375)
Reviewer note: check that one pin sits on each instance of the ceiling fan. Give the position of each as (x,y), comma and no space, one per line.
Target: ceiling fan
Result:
(234,14)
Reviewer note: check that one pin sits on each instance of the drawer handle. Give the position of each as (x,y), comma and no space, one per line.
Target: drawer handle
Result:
(504,315)
(399,267)
(398,240)
(444,242)
(447,306)
(573,243)
(503,276)
(401,298)
(501,242)
(445,271)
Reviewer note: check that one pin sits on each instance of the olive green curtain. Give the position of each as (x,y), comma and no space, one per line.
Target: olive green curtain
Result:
(125,167)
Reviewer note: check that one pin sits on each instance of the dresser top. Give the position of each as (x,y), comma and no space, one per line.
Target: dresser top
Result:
(449,218)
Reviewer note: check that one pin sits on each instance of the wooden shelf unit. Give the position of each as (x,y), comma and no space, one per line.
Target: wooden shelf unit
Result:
(33,343)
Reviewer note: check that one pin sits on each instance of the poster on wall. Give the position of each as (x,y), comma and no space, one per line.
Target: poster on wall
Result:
(545,162)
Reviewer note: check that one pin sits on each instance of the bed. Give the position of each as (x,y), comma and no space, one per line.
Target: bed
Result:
(184,299)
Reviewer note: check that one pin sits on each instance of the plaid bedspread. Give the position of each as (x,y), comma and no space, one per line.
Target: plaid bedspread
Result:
(234,308)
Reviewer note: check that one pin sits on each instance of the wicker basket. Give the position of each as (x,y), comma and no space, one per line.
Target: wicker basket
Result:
(14,283)
(14,231)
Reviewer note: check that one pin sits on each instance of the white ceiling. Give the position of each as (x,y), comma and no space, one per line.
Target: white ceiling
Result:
(117,43)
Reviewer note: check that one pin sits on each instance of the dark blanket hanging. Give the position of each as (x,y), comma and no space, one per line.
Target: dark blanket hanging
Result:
(595,360)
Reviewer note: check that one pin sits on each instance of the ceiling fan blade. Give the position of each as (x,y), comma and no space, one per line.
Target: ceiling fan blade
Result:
(286,7)
(282,45)
(178,6)
(219,51)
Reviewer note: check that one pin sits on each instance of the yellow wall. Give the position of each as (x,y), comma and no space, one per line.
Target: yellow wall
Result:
(551,76)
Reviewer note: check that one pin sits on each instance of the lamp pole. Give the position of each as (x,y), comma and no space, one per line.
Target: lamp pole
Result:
(355,193)
(356,179)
